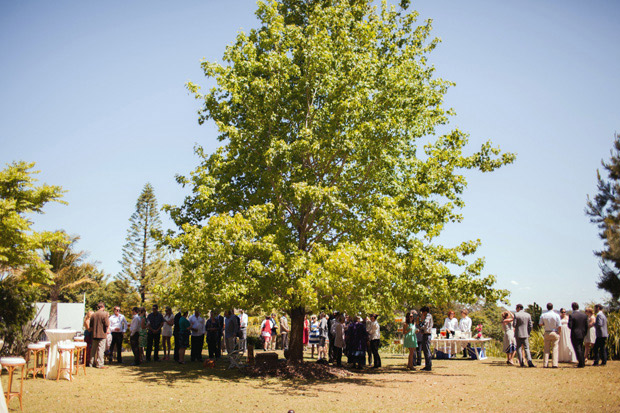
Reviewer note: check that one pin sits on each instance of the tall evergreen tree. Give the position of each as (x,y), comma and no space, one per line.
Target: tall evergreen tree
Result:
(143,259)
(604,211)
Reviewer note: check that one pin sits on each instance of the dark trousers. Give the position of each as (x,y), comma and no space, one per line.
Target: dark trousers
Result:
(152,340)
(330,352)
(218,347)
(600,350)
(369,353)
(135,348)
(374,348)
(117,343)
(338,356)
(177,338)
(426,349)
(579,351)
(418,353)
(197,343)
(212,345)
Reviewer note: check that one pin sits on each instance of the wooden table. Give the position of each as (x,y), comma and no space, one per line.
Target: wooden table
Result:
(56,337)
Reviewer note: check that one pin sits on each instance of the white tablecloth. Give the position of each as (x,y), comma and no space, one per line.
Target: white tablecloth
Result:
(55,337)
(453,346)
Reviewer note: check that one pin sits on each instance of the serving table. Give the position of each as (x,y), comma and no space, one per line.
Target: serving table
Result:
(56,337)
(452,346)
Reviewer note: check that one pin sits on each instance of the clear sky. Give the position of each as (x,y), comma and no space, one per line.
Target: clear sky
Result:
(93,92)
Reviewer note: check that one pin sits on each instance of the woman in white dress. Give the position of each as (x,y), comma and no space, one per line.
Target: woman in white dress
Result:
(565,348)
(590,338)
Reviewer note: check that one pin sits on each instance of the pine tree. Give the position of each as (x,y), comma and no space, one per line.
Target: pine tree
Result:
(604,211)
(143,259)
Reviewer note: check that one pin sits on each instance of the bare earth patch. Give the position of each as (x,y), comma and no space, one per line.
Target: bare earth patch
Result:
(304,371)
(453,385)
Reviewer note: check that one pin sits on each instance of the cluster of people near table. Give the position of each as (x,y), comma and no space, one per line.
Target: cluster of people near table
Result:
(333,335)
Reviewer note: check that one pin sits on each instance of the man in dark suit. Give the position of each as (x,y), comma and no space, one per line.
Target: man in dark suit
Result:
(578,324)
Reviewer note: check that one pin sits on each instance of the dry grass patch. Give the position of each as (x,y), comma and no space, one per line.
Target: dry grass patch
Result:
(455,385)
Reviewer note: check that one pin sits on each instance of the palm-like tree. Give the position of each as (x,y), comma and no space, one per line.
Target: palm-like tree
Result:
(68,271)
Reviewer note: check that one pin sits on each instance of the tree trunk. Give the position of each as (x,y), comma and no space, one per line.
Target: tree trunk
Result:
(296,343)
(53,321)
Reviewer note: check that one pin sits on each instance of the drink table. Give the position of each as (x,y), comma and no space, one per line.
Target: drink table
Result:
(57,336)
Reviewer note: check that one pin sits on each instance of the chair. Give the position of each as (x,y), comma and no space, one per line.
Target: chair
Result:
(47,348)
(36,352)
(64,348)
(80,350)
(11,363)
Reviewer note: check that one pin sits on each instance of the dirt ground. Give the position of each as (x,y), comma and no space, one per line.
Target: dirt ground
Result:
(453,385)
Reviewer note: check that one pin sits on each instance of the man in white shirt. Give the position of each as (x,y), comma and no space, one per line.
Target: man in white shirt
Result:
(118,326)
(197,328)
(551,322)
(465,327)
(243,327)
(134,335)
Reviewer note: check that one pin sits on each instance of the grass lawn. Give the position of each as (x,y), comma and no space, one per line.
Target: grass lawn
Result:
(453,385)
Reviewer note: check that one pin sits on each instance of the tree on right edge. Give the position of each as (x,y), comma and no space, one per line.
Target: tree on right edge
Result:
(604,211)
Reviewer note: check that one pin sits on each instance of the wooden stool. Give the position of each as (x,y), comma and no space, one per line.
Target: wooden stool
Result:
(80,349)
(38,364)
(11,363)
(64,348)
(47,349)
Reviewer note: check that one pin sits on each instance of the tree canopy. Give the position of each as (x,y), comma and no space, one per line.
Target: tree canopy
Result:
(332,183)
(19,243)
(604,211)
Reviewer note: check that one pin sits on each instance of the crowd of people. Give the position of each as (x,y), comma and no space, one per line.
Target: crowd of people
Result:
(566,337)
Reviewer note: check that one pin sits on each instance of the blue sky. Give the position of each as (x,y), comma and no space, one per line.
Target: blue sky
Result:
(93,92)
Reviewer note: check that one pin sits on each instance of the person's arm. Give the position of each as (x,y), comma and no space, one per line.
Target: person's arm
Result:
(529,326)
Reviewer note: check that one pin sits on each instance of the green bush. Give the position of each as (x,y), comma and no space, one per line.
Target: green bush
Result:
(613,341)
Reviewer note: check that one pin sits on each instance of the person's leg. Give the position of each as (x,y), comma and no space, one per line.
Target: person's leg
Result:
(149,345)
(520,344)
(135,348)
(426,348)
(193,348)
(338,356)
(374,345)
(555,342)
(243,343)
(100,353)
(94,348)
(201,343)
(418,354)
(578,347)
(118,337)
(604,351)
(596,350)
(526,347)
(330,350)
(547,339)
(176,346)
(156,338)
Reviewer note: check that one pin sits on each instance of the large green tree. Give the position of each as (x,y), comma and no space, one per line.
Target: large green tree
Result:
(143,258)
(332,184)
(604,211)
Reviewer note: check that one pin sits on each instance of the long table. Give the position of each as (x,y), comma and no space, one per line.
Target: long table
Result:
(453,346)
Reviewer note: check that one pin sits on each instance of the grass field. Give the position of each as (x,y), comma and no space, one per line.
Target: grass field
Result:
(453,385)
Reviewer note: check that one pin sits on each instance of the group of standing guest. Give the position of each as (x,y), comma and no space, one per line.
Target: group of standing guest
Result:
(564,336)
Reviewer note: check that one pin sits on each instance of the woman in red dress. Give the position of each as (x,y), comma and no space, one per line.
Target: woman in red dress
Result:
(306,331)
